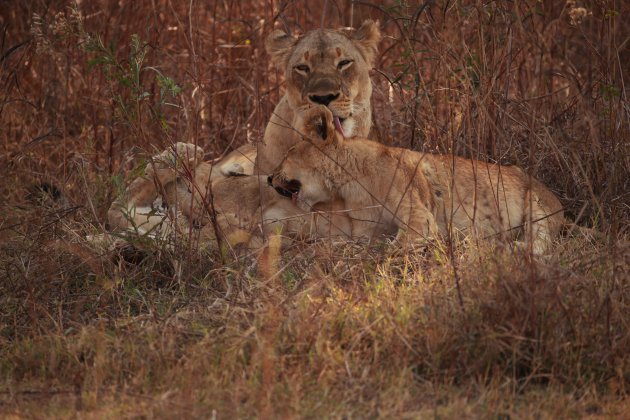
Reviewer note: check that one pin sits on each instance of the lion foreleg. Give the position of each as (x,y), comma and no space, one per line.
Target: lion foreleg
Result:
(416,223)
(282,217)
(541,224)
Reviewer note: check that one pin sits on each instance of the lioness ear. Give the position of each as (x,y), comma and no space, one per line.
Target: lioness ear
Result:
(366,39)
(279,46)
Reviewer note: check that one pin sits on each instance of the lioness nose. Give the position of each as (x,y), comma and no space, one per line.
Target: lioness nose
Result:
(324,99)
(269,179)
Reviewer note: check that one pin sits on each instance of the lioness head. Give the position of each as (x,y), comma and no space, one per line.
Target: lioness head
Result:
(302,176)
(331,68)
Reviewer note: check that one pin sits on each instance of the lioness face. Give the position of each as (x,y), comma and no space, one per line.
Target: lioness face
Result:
(330,68)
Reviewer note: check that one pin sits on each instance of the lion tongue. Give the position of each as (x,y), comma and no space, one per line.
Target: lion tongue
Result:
(294,198)
(338,126)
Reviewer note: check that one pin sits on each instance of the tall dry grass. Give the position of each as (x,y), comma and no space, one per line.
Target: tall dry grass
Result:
(319,329)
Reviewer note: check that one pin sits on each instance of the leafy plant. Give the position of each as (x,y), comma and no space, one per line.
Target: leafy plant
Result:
(127,87)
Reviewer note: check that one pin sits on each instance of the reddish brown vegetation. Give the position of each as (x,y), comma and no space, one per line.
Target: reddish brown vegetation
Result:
(541,84)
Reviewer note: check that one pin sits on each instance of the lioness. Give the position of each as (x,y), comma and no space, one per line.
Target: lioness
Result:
(419,194)
(326,67)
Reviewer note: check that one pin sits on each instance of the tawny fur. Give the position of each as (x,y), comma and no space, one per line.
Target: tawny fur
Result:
(388,189)
(322,62)
(338,66)
(194,190)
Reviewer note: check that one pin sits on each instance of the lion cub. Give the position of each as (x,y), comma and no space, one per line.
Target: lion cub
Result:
(390,189)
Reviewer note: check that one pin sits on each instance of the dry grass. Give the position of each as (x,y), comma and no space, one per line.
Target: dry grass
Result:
(322,330)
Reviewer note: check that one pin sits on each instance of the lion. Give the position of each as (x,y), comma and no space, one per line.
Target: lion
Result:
(416,195)
(169,198)
(324,67)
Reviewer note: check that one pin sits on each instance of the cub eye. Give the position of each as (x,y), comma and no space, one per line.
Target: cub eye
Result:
(303,68)
(343,64)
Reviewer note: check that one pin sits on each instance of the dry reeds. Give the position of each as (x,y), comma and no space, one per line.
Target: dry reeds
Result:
(319,329)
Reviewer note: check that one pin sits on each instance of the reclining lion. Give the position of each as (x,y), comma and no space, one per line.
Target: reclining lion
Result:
(169,198)
(389,189)
(325,67)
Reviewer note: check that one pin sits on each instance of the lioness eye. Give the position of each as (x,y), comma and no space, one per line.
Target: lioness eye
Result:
(343,64)
(302,67)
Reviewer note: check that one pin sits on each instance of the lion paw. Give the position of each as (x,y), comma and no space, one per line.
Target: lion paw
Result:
(166,165)
(180,152)
(316,122)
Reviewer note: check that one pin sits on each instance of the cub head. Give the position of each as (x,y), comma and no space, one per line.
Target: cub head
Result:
(306,174)
(331,68)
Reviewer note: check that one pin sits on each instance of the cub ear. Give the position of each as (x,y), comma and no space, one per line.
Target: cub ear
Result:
(366,39)
(279,45)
